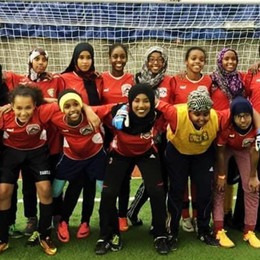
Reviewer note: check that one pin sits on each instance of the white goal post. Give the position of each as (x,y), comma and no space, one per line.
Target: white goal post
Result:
(176,25)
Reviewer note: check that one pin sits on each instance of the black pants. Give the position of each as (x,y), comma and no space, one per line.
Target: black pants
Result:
(200,168)
(117,169)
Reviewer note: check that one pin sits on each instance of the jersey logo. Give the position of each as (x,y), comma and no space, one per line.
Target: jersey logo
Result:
(50,92)
(232,136)
(199,138)
(33,129)
(125,89)
(97,139)
(162,92)
(10,129)
(152,156)
(146,135)
(106,90)
(183,87)
(258,80)
(247,142)
(86,130)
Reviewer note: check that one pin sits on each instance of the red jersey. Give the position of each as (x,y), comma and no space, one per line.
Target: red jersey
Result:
(236,141)
(50,88)
(115,90)
(31,135)
(220,100)
(165,89)
(252,86)
(183,87)
(73,81)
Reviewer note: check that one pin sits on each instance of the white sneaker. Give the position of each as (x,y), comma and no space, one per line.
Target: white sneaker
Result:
(187,225)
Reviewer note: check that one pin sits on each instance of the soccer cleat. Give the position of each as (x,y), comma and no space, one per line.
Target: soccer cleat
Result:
(136,221)
(115,243)
(161,245)
(172,242)
(33,240)
(14,233)
(48,246)
(3,246)
(187,225)
(102,247)
(31,226)
(63,232)
(251,238)
(123,224)
(208,238)
(83,230)
(223,239)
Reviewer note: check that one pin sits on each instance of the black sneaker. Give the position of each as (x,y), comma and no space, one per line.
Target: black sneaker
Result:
(208,238)
(161,245)
(172,242)
(102,247)
(135,221)
(33,240)
(115,243)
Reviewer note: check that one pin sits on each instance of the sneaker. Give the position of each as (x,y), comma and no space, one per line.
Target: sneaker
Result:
(63,232)
(102,247)
(161,245)
(48,246)
(14,233)
(187,225)
(115,243)
(224,239)
(194,222)
(31,226)
(123,224)
(135,221)
(172,242)
(208,238)
(3,246)
(83,230)
(251,238)
(33,239)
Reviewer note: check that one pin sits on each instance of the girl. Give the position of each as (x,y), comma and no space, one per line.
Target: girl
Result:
(195,59)
(80,75)
(116,85)
(153,73)
(238,140)
(133,145)
(25,139)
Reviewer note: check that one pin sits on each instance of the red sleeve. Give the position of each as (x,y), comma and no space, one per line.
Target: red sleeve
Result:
(223,118)
(46,111)
(12,79)
(247,79)
(61,83)
(169,112)
(173,87)
(222,138)
(102,111)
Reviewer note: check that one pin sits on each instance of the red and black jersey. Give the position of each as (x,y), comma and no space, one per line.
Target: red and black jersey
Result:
(234,140)
(183,87)
(30,136)
(73,81)
(115,90)
(165,90)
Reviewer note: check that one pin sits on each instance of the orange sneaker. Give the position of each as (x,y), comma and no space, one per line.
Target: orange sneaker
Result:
(123,224)
(63,232)
(3,246)
(83,230)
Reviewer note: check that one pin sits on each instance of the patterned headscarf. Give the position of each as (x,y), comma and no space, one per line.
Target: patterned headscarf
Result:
(228,82)
(199,100)
(146,76)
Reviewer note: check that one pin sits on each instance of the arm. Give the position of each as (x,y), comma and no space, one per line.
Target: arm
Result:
(254,182)
(221,173)
(92,117)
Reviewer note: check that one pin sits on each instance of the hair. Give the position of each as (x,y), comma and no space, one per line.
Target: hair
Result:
(66,91)
(115,45)
(193,49)
(27,91)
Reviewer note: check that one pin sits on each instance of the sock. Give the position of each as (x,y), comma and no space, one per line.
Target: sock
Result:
(45,220)
(218,225)
(4,224)
(249,228)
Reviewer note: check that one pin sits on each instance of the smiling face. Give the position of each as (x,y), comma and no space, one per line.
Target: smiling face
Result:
(118,61)
(141,105)
(23,107)
(199,118)
(155,62)
(229,61)
(84,61)
(72,110)
(195,62)
(39,64)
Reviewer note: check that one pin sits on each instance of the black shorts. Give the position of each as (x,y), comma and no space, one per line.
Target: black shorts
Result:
(37,160)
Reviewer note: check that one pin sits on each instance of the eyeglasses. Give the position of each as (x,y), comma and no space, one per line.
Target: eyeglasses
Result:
(152,60)
(240,116)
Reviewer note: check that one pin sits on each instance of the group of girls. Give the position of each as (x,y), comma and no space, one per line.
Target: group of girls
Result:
(134,133)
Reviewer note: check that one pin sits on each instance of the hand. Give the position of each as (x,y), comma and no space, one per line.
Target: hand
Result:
(254,184)
(5,109)
(257,142)
(121,118)
(221,184)
(92,117)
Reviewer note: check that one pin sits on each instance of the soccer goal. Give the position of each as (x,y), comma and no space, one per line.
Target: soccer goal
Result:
(174,24)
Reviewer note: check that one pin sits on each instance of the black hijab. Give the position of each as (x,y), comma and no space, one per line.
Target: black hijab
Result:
(138,125)
(89,76)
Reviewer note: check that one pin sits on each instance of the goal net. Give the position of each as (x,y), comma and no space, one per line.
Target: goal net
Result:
(176,25)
